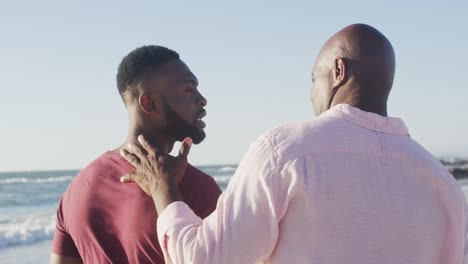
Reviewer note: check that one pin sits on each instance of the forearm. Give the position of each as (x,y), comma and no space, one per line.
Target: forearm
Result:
(243,228)
(164,195)
(216,239)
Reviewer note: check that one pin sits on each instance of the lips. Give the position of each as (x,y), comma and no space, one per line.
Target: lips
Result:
(198,122)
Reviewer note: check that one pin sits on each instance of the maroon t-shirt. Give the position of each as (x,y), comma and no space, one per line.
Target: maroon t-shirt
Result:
(102,220)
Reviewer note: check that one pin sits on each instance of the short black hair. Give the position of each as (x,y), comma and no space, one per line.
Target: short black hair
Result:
(138,63)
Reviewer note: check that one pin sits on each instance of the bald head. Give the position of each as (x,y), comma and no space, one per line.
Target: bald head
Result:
(355,66)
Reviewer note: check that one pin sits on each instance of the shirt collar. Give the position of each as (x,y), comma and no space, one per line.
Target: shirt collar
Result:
(368,120)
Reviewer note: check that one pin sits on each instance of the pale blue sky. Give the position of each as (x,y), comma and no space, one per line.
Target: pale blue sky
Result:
(60,108)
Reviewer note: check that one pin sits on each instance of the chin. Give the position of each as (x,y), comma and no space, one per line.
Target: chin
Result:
(198,138)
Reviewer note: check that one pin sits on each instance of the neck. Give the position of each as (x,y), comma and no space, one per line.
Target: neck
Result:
(371,108)
(161,141)
(373,103)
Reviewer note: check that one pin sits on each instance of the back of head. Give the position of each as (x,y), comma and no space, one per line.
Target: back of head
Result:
(371,54)
(359,64)
(137,65)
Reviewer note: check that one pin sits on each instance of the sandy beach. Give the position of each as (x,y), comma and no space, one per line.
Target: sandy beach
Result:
(26,254)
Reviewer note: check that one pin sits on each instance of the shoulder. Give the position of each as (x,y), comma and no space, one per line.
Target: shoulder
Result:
(200,191)
(308,137)
(290,133)
(195,177)
(422,159)
(81,189)
(291,140)
(108,165)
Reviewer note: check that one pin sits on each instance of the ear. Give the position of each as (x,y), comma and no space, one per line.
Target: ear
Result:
(148,104)
(340,71)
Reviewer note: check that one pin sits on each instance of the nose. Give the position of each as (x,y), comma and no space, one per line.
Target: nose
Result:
(202,100)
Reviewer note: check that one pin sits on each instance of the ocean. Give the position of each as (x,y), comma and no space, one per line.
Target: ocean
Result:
(28,201)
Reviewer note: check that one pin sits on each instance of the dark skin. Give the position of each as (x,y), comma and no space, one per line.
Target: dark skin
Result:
(149,161)
(174,83)
(178,86)
(356,66)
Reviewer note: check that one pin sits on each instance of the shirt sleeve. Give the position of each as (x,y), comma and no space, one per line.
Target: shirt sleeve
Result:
(465,251)
(244,226)
(62,243)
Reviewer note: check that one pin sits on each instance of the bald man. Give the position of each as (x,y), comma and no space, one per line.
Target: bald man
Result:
(350,186)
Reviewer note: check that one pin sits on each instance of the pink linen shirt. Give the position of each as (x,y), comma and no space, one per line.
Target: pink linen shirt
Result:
(346,187)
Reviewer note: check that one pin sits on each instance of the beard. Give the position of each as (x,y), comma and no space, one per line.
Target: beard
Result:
(179,129)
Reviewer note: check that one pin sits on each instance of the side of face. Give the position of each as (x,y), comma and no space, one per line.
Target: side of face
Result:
(321,86)
(180,103)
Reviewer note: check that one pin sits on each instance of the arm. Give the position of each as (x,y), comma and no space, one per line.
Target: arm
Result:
(63,247)
(244,226)
(56,259)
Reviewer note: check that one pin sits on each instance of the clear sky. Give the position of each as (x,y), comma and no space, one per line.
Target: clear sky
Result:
(60,108)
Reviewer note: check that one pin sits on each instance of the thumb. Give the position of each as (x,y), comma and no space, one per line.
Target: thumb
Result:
(127,178)
(185,147)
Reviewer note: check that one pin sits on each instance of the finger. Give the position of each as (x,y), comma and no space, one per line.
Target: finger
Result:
(146,145)
(136,150)
(127,178)
(185,147)
(131,158)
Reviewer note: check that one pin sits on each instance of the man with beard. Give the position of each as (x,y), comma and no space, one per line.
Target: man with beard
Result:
(99,220)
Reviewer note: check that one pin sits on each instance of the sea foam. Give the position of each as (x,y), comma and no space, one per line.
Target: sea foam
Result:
(26,229)
(35,180)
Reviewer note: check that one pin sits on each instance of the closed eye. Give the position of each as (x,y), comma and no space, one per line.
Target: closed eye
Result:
(192,82)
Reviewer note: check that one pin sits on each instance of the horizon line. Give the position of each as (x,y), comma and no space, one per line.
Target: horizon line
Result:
(55,170)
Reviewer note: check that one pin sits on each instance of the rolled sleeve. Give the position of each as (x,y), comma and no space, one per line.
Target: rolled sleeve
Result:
(242,229)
